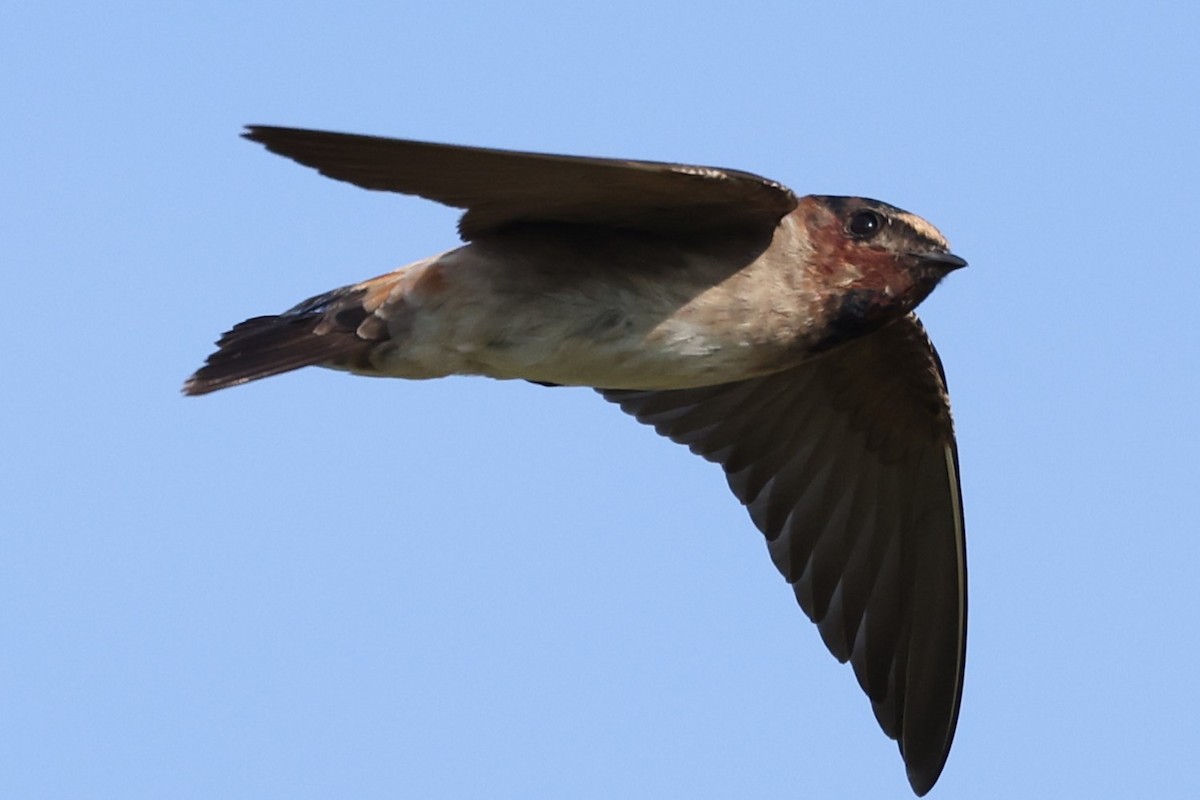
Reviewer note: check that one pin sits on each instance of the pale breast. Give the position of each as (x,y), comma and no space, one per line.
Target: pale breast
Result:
(627,312)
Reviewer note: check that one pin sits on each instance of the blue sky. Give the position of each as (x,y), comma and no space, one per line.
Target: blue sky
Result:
(321,586)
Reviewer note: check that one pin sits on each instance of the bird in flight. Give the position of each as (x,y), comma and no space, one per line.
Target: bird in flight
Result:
(770,333)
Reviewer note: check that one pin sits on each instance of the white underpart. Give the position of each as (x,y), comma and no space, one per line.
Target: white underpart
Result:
(474,311)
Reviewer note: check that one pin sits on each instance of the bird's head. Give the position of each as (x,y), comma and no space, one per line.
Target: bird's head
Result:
(878,261)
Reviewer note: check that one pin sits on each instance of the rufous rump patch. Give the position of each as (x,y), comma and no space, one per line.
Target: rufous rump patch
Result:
(379,290)
(430,280)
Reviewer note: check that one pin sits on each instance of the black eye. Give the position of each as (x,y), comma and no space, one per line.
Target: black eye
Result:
(865,224)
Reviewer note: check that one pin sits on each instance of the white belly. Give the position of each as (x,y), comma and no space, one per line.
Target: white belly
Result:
(693,321)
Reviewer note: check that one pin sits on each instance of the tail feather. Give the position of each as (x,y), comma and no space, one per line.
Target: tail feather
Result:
(326,330)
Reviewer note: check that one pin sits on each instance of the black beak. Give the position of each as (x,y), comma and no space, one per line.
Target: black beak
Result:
(946,261)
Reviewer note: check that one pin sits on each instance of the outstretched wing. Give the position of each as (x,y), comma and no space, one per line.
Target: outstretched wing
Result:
(848,465)
(499,188)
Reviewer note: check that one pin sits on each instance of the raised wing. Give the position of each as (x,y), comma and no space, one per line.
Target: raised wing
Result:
(848,465)
(499,188)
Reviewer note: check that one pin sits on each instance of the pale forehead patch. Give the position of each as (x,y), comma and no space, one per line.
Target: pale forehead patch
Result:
(923,228)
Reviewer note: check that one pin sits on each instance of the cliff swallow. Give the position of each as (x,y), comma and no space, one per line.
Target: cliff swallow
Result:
(770,333)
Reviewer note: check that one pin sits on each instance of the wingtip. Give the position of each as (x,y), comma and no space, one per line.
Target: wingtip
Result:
(923,779)
(255,133)
(262,134)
